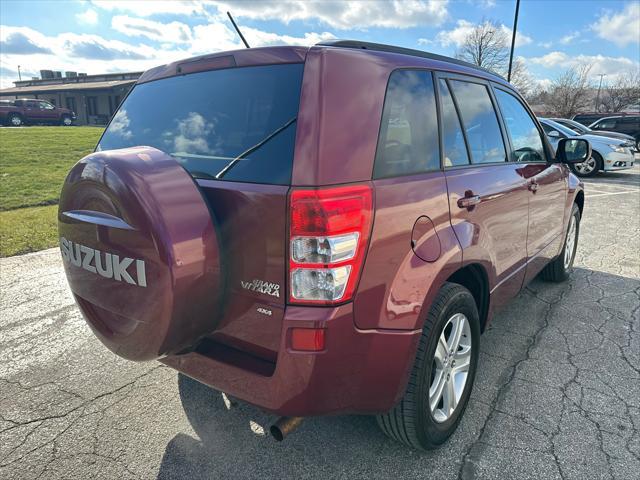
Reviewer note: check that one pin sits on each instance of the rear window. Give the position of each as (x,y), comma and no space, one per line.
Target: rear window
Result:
(235,124)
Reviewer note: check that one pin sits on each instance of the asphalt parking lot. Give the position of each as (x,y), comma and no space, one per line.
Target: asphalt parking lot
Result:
(557,394)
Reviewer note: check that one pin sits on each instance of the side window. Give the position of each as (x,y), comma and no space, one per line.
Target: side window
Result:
(455,150)
(479,121)
(525,137)
(547,129)
(408,141)
(604,124)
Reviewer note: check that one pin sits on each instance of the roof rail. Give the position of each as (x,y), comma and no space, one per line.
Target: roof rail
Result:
(380,47)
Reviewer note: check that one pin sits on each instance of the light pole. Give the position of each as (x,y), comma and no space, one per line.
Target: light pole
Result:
(599,87)
(513,39)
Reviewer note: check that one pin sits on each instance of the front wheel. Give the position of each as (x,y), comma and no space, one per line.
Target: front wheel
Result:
(66,121)
(442,377)
(560,268)
(15,120)
(590,167)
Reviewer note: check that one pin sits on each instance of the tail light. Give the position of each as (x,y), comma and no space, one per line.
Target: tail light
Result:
(329,233)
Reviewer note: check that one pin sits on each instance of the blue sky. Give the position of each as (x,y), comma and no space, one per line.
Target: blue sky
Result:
(110,36)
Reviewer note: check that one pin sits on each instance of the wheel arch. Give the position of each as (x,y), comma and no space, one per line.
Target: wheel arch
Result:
(579,200)
(475,279)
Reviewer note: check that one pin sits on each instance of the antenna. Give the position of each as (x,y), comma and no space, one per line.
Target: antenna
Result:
(238,30)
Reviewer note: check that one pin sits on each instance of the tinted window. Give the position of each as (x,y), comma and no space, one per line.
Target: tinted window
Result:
(455,150)
(604,124)
(479,121)
(525,137)
(408,140)
(207,120)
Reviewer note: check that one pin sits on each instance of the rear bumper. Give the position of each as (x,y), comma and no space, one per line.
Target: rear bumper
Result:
(360,371)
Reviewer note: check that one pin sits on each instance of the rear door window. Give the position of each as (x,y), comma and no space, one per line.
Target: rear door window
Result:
(604,124)
(479,121)
(236,124)
(525,136)
(408,141)
(455,149)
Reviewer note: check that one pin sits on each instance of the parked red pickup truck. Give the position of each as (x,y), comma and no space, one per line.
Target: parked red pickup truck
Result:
(31,110)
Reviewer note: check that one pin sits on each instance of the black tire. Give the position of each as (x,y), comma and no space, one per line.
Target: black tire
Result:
(15,120)
(598,167)
(558,270)
(66,121)
(411,421)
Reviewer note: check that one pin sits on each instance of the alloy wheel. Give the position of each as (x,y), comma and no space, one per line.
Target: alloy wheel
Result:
(587,166)
(570,242)
(16,121)
(450,370)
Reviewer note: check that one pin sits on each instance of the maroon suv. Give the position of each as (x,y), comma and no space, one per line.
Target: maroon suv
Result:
(30,110)
(319,230)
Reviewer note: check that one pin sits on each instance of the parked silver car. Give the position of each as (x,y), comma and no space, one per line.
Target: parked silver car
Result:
(608,154)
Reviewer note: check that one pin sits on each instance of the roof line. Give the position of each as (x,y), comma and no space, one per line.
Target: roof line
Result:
(381,47)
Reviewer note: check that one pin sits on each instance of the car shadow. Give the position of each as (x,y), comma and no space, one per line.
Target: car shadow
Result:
(231,439)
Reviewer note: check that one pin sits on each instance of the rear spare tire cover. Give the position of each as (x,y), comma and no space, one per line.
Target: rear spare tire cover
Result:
(140,251)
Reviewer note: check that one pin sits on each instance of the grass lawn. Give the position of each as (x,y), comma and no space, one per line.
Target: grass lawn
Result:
(28,230)
(34,162)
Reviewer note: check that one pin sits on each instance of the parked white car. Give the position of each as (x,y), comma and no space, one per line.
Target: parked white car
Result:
(608,154)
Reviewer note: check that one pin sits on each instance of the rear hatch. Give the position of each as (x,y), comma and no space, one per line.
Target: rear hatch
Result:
(233,130)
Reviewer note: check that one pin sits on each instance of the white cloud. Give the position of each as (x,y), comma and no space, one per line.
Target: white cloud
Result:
(425,41)
(458,35)
(334,13)
(551,59)
(344,15)
(570,37)
(620,28)
(94,54)
(544,83)
(521,38)
(90,17)
(147,8)
(174,32)
(264,39)
(545,44)
(611,66)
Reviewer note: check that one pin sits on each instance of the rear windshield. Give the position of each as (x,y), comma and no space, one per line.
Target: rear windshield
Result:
(235,124)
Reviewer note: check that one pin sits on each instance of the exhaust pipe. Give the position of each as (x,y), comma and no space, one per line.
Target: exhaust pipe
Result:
(284,426)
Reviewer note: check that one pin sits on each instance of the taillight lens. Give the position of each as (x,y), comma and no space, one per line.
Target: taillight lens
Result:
(329,234)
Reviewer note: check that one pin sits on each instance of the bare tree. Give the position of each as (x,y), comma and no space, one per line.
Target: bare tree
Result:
(487,45)
(622,93)
(569,93)
(521,79)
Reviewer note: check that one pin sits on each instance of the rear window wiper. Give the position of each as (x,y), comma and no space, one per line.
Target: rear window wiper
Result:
(252,149)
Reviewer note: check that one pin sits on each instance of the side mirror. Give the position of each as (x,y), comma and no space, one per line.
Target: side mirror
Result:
(573,150)
(554,134)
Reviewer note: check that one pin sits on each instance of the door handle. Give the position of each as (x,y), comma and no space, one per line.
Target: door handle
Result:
(533,187)
(469,201)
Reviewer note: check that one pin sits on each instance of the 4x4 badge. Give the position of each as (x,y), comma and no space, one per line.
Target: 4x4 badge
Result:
(261,286)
